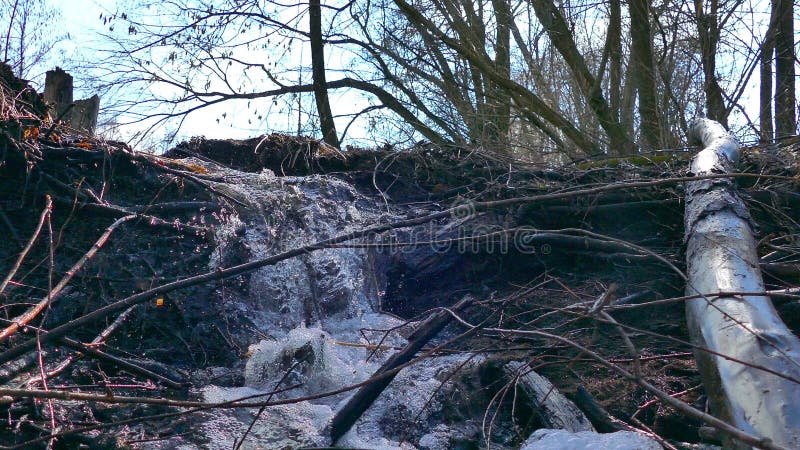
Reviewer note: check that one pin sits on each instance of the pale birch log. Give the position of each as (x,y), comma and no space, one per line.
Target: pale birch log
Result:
(721,257)
(553,408)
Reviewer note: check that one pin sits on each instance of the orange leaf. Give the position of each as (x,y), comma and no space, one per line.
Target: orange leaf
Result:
(31,133)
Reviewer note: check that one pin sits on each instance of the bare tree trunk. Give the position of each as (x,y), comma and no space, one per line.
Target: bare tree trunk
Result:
(9,30)
(23,28)
(766,133)
(628,98)
(326,123)
(481,115)
(785,114)
(749,360)
(615,58)
(502,61)
(708,32)
(644,72)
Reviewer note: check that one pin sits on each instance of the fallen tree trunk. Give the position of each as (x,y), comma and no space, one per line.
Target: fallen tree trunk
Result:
(721,257)
(553,409)
(349,414)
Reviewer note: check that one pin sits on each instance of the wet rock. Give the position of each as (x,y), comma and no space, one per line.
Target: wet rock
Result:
(409,413)
(284,213)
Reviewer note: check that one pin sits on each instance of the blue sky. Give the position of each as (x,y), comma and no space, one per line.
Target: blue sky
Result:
(81,19)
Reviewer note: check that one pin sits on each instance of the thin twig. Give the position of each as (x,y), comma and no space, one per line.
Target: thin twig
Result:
(54,292)
(48,209)
(652,402)
(39,354)
(238,445)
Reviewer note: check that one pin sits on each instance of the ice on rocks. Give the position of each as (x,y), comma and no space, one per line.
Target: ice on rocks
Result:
(308,355)
(327,285)
(548,439)
(351,439)
(284,426)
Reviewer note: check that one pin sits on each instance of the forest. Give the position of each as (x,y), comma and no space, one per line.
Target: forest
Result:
(567,79)
(427,224)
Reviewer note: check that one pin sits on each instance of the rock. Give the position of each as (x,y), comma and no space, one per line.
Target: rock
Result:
(220,376)
(444,437)
(326,286)
(548,439)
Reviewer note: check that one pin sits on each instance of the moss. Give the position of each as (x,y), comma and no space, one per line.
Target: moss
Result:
(636,161)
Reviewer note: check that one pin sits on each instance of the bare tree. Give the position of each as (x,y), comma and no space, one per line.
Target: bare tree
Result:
(563,40)
(318,70)
(501,108)
(785,102)
(708,33)
(31,34)
(615,57)
(767,53)
(644,71)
